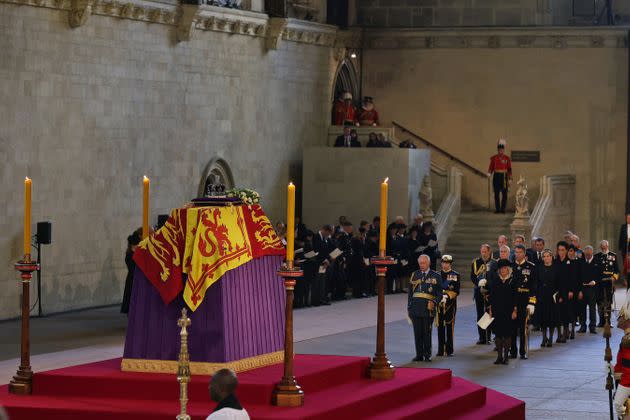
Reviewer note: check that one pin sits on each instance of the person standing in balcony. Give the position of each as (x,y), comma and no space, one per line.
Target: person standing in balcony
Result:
(368,115)
(344,112)
(501,171)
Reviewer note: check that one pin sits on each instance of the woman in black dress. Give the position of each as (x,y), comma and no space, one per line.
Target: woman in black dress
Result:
(546,309)
(132,242)
(502,301)
(565,290)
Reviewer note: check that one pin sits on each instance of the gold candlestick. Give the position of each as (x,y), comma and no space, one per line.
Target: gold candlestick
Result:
(183,366)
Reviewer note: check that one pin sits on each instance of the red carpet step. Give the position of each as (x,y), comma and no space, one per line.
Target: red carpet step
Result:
(335,388)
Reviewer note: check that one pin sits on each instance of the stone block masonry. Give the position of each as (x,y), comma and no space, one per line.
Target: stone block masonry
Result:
(86,112)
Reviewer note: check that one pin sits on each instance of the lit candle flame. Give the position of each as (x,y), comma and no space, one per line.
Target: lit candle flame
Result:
(386,179)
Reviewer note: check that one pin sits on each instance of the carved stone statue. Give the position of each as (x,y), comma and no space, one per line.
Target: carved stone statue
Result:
(522,201)
(426,198)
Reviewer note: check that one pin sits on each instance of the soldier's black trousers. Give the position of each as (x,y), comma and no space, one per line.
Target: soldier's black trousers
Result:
(318,289)
(479,306)
(445,330)
(520,330)
(500,186)
(422,335)
(589,301)
(604,298)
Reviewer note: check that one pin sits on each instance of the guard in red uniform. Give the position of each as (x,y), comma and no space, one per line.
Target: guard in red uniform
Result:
(501,170)
(344,112)
(368,115)
(622,367)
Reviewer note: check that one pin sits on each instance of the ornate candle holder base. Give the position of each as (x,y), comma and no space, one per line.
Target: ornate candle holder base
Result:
(287,392)
(380,367)
(22,382)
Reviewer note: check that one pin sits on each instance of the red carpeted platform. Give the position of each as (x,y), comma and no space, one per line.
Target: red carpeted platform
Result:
(335,388)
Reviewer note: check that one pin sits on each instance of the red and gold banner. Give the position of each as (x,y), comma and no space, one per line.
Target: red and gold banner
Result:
(204,243)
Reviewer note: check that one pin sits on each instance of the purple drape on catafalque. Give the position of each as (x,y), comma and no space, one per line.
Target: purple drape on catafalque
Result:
(241,316)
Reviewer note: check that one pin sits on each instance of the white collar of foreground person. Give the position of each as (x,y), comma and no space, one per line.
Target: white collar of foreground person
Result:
(229,409)
(229,414)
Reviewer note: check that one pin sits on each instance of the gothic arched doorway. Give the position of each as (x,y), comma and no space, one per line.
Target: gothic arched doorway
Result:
(219,170)
(346,80)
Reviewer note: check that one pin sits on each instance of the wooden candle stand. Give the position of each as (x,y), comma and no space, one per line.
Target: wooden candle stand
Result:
(380,367)
(287,392)
(22,382)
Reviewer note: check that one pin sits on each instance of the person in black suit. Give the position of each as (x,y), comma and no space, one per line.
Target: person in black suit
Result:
(323,246)
(347,139)
(623,243)
(534,254)
(132,243)
(356,265)
(371,250)
(591,276)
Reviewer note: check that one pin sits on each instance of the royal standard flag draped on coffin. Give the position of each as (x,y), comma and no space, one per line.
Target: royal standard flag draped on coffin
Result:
(204,243)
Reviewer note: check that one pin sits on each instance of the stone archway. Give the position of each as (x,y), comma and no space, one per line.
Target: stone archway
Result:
(346,80)
(219,169)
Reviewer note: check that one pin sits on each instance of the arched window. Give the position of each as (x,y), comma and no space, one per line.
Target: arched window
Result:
(346,80)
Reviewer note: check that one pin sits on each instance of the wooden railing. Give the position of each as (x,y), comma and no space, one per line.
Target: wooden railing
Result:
(439,149)
(458,161)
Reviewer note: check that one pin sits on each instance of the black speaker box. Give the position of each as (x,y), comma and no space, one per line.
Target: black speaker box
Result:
(44,232)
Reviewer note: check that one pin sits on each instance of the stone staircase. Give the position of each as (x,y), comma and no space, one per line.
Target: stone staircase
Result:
(473,228)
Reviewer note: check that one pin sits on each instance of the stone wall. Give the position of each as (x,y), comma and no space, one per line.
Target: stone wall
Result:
(341,181)
(87,112)
(454,13)
(561,92)
(422,13)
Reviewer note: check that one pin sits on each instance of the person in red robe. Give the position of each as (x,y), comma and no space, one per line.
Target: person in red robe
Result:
(622,367)
(368,115)
(344,112)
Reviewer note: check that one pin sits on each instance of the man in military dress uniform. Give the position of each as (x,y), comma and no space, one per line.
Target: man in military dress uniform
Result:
(607,261)
(524,277)
(501,170)
(479,271)
(447,309)
(425,293)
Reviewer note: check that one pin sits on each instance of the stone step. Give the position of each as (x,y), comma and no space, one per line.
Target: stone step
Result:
(472,229)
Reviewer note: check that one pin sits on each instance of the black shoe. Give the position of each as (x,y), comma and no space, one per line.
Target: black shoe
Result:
(582,330)
(499,361)
(512,355)
(572,336)
(481,342)
(600,325)
(549,343)
(439,355)
(327,303)
(450,355)
(497,211)
(506,361)
(523,357)
(593,331)
(427,359)
(417,359)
